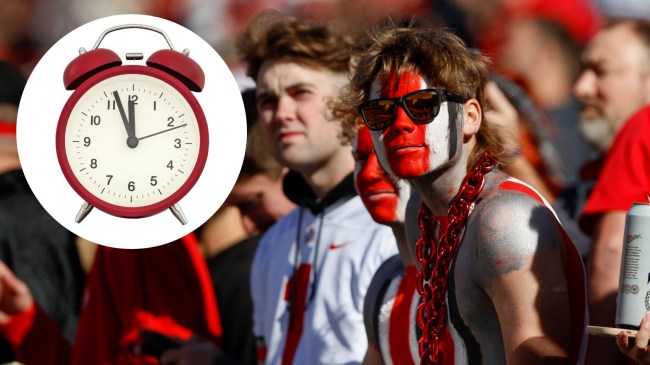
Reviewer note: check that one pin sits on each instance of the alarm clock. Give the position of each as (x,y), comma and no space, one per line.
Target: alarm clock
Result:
(132,140)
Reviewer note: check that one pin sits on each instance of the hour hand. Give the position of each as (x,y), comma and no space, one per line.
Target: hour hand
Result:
(116,95)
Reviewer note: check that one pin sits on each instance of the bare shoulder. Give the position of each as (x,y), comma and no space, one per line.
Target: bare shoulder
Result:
(508,228)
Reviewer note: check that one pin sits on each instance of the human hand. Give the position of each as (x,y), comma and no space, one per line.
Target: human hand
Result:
(501,111)
(637,350)
(15,296)
(195,351)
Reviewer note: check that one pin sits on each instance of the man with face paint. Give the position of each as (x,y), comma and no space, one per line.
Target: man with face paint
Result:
(312,268)
(501,282)
(391,299)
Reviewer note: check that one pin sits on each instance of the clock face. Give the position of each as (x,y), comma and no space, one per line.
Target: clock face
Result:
(132,141)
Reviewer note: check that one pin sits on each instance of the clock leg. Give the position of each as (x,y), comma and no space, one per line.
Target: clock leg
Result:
(178,213)
(83,212)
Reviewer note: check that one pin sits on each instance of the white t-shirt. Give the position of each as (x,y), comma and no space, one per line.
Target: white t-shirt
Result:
(329,293)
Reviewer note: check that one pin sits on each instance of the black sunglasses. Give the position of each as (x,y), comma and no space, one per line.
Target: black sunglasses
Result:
(422,106)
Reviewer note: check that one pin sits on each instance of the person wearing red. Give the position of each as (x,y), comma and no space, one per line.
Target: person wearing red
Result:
(614,88)
(130,294)
(136,305)
(624,178)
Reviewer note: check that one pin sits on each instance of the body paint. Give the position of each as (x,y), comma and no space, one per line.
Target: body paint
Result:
(383,196)
(406,149)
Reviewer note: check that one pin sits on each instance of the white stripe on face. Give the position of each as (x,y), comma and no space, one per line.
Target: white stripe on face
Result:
(437,138)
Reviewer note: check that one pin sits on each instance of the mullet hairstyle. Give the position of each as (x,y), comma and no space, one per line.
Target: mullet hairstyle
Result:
(438,55)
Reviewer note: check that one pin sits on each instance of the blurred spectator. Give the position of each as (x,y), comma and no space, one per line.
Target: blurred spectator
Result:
(537,161)
(541,53)
(17,46)
(39,251)
(488,20)
(614,88)
(139,302)
(258,190)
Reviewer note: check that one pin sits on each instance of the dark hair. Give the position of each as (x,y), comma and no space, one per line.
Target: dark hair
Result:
(12,84)
(257,159)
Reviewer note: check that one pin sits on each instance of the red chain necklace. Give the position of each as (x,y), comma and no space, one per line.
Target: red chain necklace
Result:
(435,258)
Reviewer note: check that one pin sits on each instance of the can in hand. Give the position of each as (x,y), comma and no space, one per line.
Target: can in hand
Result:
(634,281)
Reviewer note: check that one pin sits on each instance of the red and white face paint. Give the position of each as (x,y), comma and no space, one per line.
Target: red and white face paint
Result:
(406,149)
(384,197)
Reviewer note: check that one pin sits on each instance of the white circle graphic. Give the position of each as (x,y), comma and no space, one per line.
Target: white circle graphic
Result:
(45,96)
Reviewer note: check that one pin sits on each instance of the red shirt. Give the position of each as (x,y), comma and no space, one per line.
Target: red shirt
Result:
(625,177)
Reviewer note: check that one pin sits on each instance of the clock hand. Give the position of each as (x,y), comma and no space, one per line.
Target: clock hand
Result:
(131,130)
(122,114)
(166,130)
(132,140)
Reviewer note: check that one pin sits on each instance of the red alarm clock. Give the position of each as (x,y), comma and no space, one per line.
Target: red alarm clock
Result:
(132,140)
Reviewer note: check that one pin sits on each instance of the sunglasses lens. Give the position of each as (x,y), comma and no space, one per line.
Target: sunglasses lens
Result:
(379,114)
(423,106)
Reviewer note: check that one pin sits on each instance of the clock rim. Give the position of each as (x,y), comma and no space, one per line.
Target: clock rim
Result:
(125,211)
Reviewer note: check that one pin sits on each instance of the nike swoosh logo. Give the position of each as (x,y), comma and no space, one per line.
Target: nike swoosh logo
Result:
(334,246)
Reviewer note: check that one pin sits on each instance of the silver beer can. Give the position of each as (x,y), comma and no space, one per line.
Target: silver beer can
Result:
(633,299)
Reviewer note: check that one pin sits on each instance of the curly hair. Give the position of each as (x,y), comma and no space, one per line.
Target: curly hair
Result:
(273,36)
(438,55)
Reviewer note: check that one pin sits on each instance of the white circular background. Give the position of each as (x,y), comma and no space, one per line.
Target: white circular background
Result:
(43,100)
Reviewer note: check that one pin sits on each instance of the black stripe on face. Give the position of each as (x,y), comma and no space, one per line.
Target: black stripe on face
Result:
(453,110)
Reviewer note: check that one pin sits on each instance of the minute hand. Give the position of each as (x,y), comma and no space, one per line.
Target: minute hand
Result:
(166,130)
(116,95)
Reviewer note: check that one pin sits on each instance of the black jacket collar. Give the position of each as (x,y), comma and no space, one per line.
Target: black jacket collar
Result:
(299,192)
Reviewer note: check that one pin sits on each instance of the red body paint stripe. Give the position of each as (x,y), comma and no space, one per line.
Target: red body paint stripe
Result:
(400,319)
(513,185)
(297,315)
